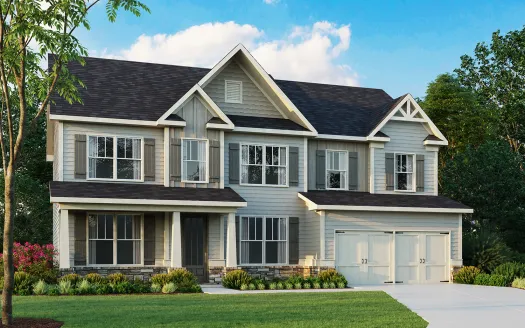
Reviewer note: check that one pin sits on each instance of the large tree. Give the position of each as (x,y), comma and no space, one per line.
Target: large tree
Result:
(50,26)
(496,73)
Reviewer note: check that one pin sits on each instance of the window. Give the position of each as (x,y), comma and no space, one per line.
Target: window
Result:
(336,169)
(233,92)
(264,165)
(404,172)
(194,160)
(263,240)
(103,163)
(110,246)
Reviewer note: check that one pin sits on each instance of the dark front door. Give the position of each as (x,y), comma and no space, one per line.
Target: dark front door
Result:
(194,247)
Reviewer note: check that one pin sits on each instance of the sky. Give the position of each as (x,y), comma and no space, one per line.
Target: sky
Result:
(398,46)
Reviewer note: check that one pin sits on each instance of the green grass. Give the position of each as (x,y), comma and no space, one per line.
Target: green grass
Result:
(355,309)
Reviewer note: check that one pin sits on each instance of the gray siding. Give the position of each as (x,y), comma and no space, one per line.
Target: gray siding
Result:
(71,224)
(362,159)
(214,236)
(196,116)
(309,236)
(385,221)
(254,102)
(405,137)
(159,239)
(70,129)
(56,226)
(57,152)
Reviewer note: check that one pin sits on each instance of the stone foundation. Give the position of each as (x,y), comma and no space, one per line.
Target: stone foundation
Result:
(215,274)
(141,273)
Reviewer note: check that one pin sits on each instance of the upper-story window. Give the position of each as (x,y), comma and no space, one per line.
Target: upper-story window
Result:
(107,162)
(194,160)
(264,165)
(336,169)
(404,172)
(233,91)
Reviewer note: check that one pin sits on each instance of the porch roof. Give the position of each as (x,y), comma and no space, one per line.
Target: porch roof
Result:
(141,194)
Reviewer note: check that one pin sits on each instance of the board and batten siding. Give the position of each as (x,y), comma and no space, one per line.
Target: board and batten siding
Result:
(362,160)
(196,116)
(389,221)
(71,129)
(254,102)
(405,137)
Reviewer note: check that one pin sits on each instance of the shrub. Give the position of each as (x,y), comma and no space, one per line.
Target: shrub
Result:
(484,250)
(466,275)
(482,279)
(298,285)
(272,286)
(295,279)
(72,277)
(140,286)
(40,288)
(116,278)
(511,270)
(65,287)
(261,286)
(332,285)
(84,287)
(341,285)
(244,287)
(156,288)
(169,288)
(190,289)
(519,283)
(251,286)
(182,277)
(102,289)
(316,285)
(326,285)
(234,279)
(160,279)
(307,285)
(123,287)
(23,283)
(280,285)
(94,278)
(498,280)
(288,285)
(331,275)
(52,290)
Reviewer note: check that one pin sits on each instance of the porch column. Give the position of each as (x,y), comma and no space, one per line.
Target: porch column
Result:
(176,244)
(63,242)
(231,243)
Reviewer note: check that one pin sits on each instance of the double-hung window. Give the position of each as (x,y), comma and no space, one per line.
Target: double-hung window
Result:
(110,162)
(264,165)
(194,160)
(336,169)
(264,240)
(404,172)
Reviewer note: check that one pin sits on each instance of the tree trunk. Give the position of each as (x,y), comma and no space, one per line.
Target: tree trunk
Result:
(7,294)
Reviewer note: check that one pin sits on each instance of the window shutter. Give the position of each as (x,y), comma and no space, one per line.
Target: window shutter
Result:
(215,160)
(352,171)
(233,91)
(293,242)
(149,239)
(175,162)
(80,239)
(80,156)
(293,162)
(237,238)
(234,163)
(420,172)
(389,171)
(149,159)
(320,169)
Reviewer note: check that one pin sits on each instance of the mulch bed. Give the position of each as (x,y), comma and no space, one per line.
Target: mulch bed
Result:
(35,323)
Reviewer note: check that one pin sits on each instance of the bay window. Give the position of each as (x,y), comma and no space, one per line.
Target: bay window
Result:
(194,160)
(109,162)
(404,172)
(263,240)
(336,169)
(264,165)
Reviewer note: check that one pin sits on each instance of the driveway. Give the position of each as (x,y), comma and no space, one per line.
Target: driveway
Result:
(451,305)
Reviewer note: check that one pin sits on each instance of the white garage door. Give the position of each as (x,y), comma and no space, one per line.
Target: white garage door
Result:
(375,257)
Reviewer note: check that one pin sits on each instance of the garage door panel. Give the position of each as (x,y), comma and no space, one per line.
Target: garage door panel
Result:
(349,249)
(436,249)
(378,274)
(379,249)
(407,258)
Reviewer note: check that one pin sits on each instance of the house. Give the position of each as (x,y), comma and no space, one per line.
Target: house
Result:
(167,166)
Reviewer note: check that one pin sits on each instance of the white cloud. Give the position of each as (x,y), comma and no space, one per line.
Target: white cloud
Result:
(307,53)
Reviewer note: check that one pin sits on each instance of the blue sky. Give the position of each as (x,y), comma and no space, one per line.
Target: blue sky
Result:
(399,46)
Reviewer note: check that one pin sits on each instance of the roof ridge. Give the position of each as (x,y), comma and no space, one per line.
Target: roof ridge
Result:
(335,85)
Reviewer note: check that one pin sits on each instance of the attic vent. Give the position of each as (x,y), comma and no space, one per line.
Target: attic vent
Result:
(233,92)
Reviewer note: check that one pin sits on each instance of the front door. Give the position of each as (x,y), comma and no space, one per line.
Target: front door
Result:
(194,245)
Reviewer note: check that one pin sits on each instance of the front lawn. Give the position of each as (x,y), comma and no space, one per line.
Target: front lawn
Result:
(344,309)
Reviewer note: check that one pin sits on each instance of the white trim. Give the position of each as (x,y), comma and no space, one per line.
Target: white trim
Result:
(460,238)
(207,179)
(219,126)
(346,177)
(435,143)
(226,91)
(271,83)
(274,131)
(322,236)
(121,201)
(64,240)
(172,123)
(101,120)
(231,242)
(166,157)
(60,151)
(371,164)
(305,165)
(50,158)
(176,241)
(221,159)
(263,166)
(436,183)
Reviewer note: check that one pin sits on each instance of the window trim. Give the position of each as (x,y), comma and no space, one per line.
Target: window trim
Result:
(115,240)
(326,169)
(264,184)
(115,159)
(207,160)
(414,162)
(287,218)
(226,92)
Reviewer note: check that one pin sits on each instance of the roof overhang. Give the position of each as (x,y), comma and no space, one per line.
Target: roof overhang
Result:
(274,131)
(89,119)
(352,138)
(120,201)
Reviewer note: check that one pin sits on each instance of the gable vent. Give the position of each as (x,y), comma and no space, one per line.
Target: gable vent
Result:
(233,92)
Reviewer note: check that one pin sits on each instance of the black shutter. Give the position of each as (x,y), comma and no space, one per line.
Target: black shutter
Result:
(293,234)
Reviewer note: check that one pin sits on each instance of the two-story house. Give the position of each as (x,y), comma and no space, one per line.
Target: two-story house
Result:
(167,166)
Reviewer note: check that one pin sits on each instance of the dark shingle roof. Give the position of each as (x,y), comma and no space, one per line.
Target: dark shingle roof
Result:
(174,117)
(353,198)
(265,123)
(140,191)
(381,135)
(216,120)
(432,137)
(144,91)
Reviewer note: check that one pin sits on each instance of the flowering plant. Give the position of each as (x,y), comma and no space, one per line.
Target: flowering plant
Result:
(37,260)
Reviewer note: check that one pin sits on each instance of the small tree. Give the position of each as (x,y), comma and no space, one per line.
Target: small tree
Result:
(23,83)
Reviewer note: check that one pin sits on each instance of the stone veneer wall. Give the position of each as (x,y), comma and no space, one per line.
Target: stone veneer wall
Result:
(215,274)
(142,273)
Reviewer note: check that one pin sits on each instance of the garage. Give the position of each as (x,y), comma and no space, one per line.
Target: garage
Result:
(377,257)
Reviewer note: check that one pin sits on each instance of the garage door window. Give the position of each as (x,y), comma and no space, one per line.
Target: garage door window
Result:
(263,240)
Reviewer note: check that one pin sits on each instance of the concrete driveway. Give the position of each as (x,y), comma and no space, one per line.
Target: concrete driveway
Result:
(451,305)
